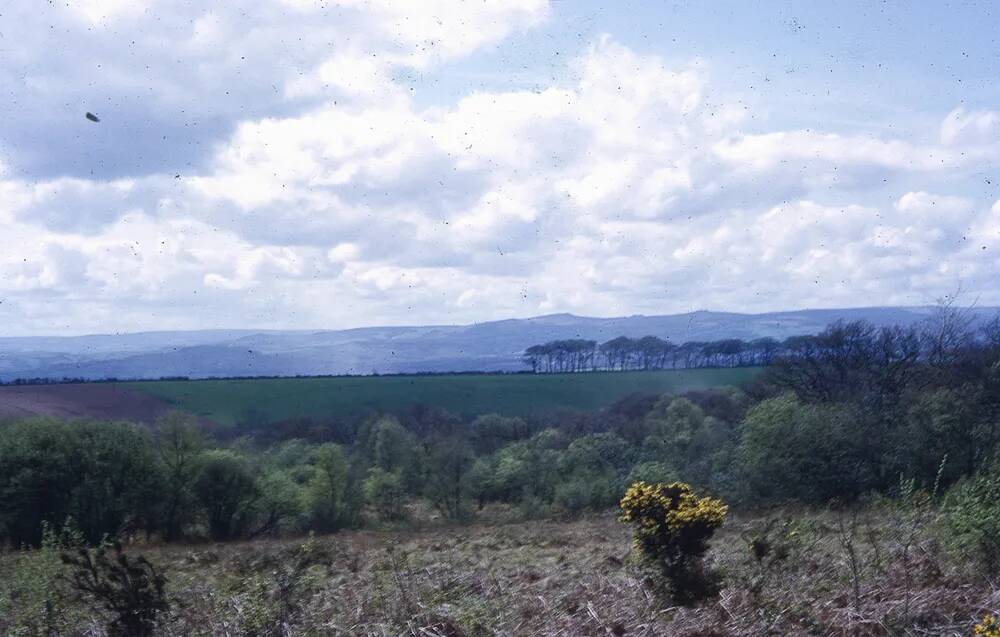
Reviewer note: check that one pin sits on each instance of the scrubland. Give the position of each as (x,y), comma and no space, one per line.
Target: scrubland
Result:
(873,572)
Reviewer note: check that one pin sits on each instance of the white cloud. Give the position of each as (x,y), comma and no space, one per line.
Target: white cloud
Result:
(971,127)
(629,184)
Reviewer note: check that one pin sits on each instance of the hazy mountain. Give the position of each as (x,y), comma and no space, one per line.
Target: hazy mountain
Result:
(493,346)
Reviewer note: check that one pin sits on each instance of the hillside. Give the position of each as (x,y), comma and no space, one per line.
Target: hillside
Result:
(492,346)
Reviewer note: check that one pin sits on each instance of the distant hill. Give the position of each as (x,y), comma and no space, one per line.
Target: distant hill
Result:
(492,346)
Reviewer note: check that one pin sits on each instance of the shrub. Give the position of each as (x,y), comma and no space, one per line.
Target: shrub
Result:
(103,475)
(672,530)
(804,452)
(34,593)
(226,489)
(129,589)
(973,516)
(331,502)
(383,491)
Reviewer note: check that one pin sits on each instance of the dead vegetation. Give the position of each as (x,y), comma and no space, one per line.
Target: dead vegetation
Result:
(782,575)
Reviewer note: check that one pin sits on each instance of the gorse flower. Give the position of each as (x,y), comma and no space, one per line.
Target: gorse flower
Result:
(989,627)
(669,511)
(672,529)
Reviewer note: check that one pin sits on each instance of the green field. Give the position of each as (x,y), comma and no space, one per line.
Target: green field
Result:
(231,401)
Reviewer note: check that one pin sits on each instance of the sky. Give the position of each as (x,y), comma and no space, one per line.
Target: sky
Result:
(331,164)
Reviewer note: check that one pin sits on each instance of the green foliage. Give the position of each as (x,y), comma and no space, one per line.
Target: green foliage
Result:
(973,518)
(385,443)
(179,444)
(103,475)
(280,503)
(592,472)
(39,471)
(35,597)
(130,590)
(672,530)
(582,492)
(681,434)
(121,481)
(795,451)
(674,424)
(491,432)
(652,473)
(449,462)
(227,492)
(943,424)
(331,503)
(384,492)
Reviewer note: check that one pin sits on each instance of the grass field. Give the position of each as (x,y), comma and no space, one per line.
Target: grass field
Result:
(230,401)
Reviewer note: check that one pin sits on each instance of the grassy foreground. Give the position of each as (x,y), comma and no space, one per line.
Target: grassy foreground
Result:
(231,401)
(538,578)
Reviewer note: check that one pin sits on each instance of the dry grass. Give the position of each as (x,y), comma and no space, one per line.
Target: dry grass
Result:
(552,578)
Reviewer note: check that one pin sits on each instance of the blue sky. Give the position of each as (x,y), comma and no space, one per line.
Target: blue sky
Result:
(293,163)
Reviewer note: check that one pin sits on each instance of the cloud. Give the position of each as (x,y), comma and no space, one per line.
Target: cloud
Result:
(970,127)
(278,171)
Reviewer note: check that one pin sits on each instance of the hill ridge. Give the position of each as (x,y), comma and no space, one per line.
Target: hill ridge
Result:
(481,346)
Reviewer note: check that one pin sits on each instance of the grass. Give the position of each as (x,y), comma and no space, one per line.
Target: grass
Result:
(231,401)
(545,578)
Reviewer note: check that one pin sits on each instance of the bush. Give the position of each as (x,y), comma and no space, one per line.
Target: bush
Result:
(129,589)
(34,593)
(331,501)
(791,450)
(227,491)
(383,491)
(103,475)
(973,517)
(672,530)
(584,491)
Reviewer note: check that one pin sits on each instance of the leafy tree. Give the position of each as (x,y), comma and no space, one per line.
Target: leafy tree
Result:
(652,473)
(384,492)
(593,470)
(449,461)
(39,471)
(103,475)
(942,425)
(492,431)
(179,445)
(280,503)
(227,492)
(384,443)
(331,503)
(793,451)
(120,481)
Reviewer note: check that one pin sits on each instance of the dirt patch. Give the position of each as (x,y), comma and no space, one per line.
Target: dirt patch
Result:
(106,401)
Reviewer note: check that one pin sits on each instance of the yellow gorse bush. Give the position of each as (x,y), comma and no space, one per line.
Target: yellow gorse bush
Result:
(989,627)
(672,528)
(669,509)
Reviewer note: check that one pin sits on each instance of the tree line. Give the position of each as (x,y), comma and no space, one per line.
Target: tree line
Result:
(649,353)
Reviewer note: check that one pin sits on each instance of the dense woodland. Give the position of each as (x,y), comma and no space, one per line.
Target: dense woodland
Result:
(836,416)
